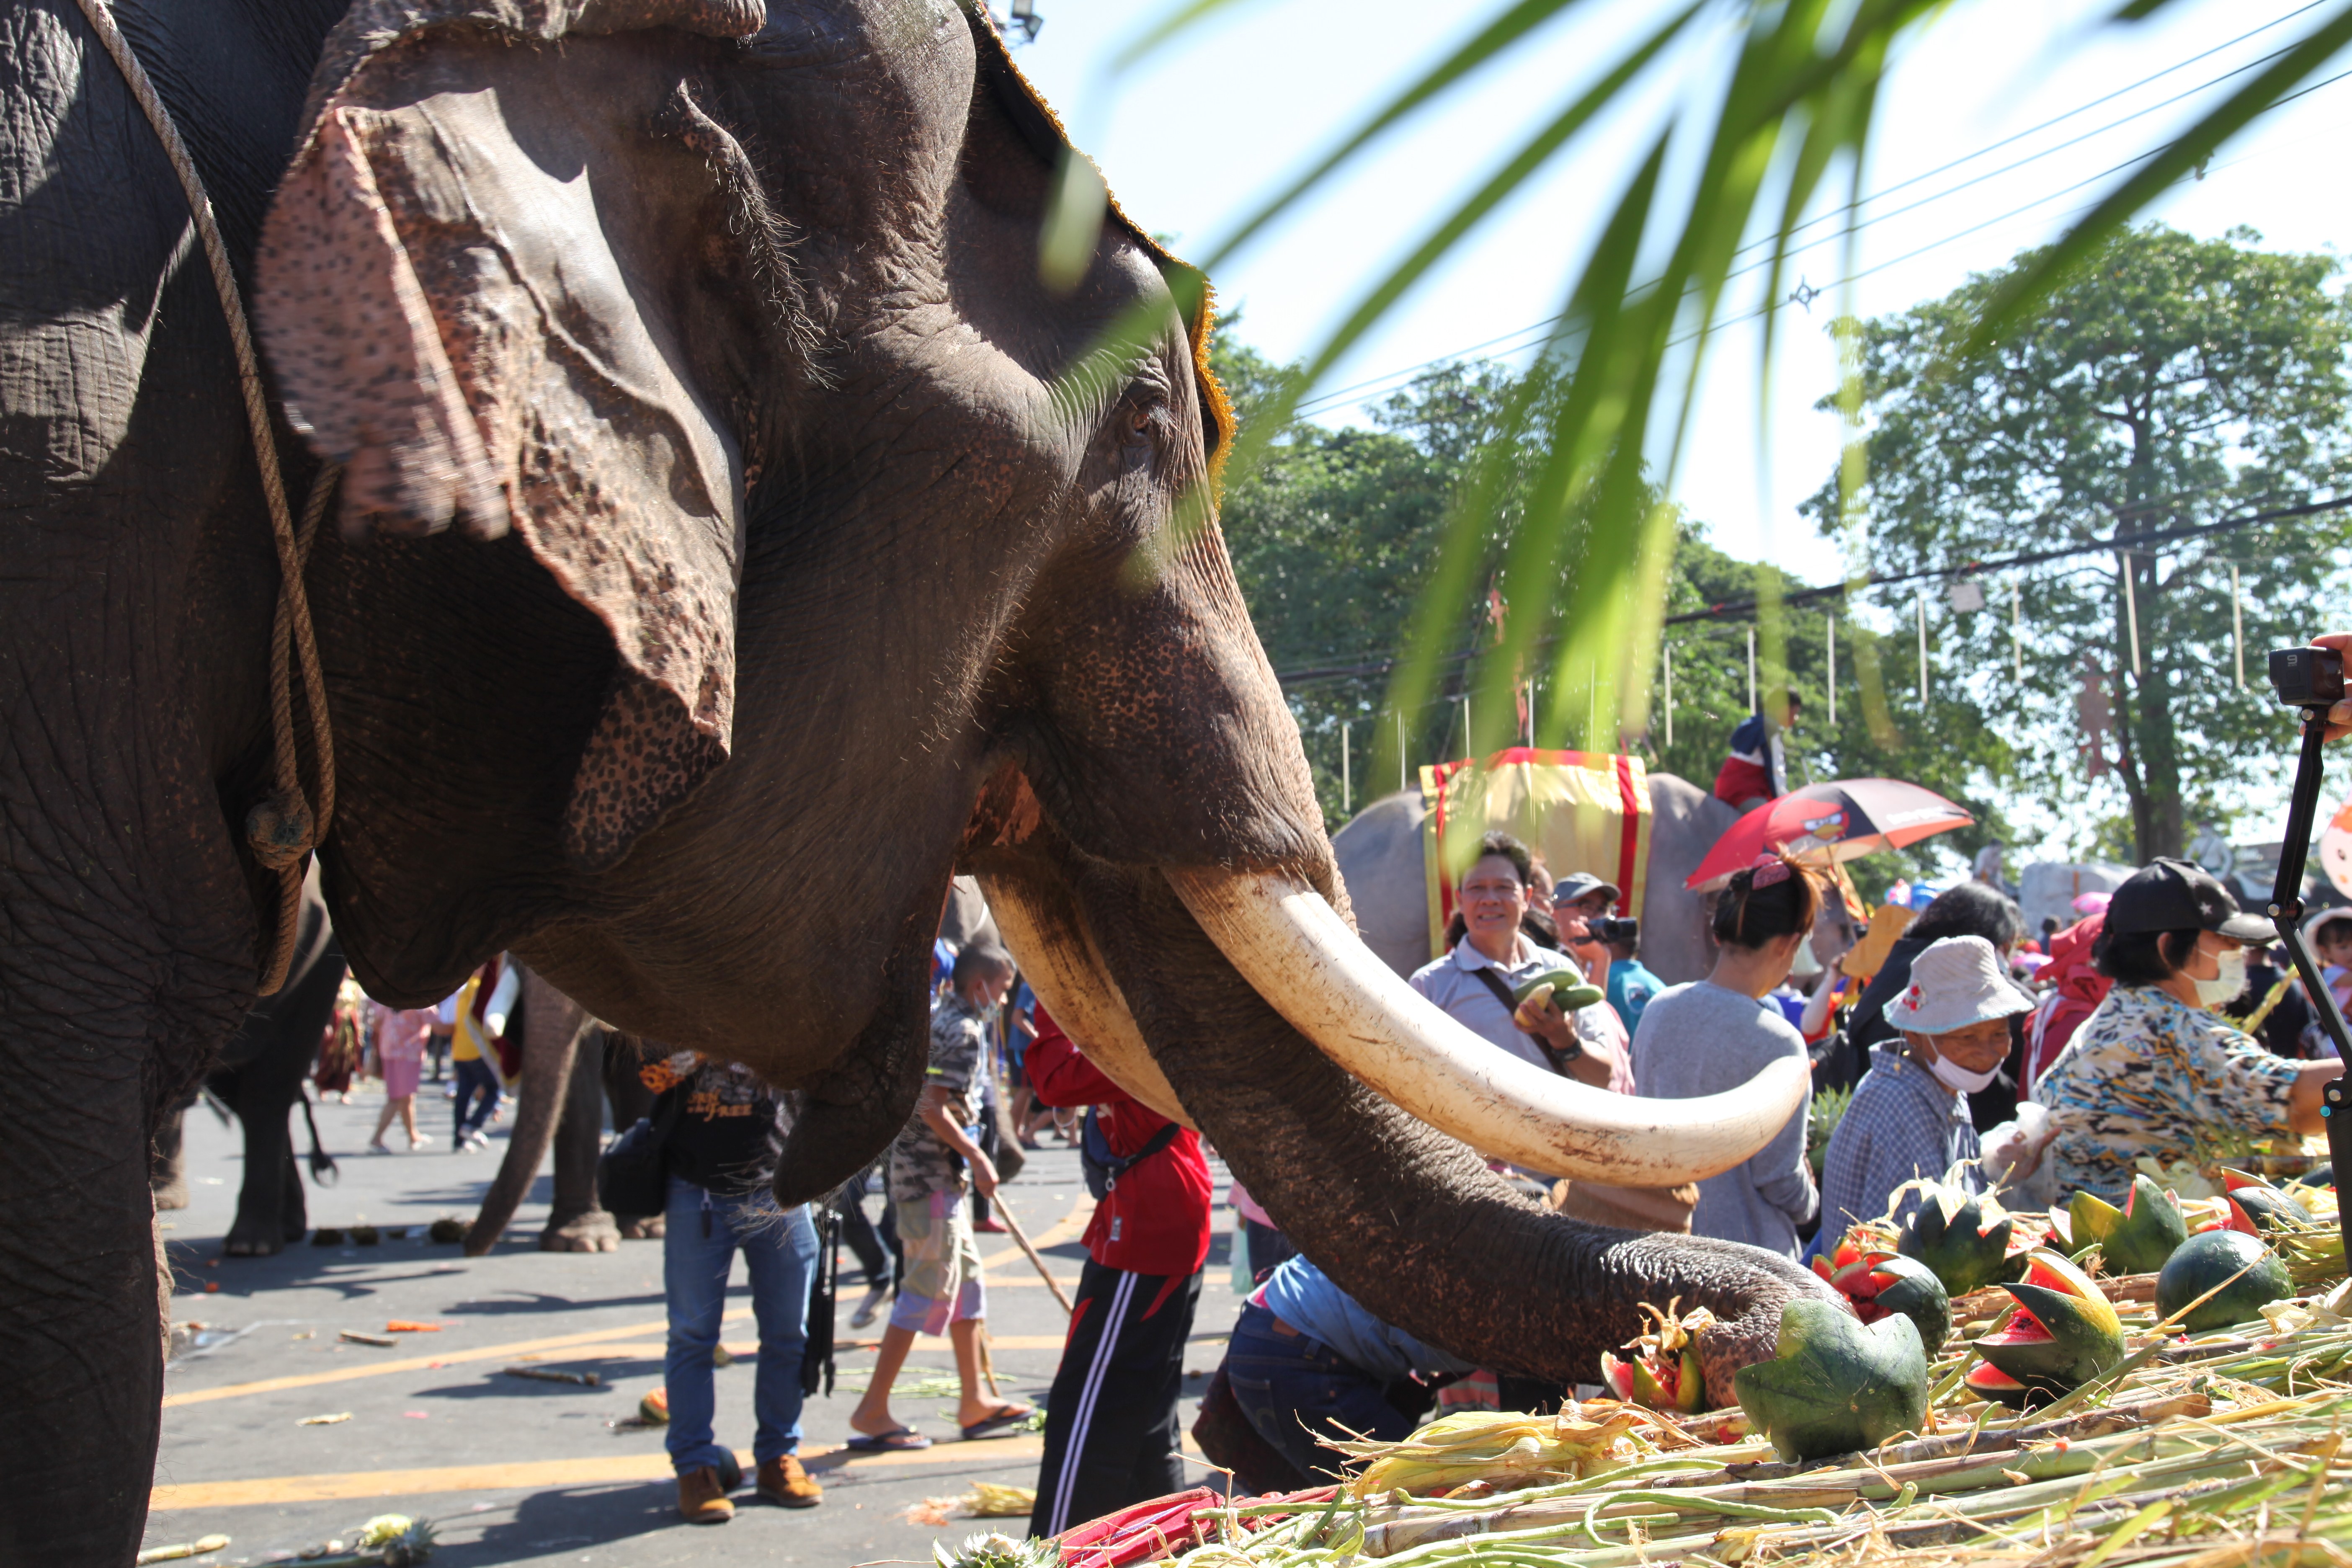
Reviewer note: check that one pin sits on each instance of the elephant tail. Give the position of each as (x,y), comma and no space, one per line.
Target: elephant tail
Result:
(324,1171)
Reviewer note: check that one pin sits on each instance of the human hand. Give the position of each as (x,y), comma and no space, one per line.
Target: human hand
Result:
(1542,1016)
(984,1174)
(2339,718)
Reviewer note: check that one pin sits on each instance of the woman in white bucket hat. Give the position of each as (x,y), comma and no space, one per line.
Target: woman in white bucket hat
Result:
(1910,1113)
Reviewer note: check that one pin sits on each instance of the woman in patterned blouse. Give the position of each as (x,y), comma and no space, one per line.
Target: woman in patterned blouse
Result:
(2155,1071)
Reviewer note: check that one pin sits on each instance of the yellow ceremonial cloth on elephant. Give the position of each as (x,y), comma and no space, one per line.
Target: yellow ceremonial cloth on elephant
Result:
(1581,811)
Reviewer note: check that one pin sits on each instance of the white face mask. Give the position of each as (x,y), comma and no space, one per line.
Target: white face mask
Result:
(1959,1079)
(2233,979)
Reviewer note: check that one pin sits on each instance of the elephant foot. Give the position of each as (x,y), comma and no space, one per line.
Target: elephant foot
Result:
(172,1195)
(592,1232)
(644,1227)
(249,1240)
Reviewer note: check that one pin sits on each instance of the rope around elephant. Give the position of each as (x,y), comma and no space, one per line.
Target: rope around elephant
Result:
(283,828)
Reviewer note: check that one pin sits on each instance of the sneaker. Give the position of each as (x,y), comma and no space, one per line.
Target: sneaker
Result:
(784,1482)
(869,1308)
(702,1496)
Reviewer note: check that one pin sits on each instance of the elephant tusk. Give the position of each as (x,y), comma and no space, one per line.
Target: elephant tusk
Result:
(1061,966)
(1289,944)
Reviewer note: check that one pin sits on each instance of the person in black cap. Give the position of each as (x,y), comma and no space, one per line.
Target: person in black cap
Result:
(2155,1071)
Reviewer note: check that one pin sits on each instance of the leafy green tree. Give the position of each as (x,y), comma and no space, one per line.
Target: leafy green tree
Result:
(1336,536)
(2171,382)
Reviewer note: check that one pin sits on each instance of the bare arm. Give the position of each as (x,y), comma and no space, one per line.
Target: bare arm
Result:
(933,1108)
(2303,1105)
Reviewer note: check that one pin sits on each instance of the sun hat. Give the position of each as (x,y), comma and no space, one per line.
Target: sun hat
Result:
(1955,982)
(2318,918)
(2173,895)
(1579,884)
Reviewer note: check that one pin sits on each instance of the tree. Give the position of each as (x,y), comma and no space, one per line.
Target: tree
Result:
(1337,534)
(2171,382)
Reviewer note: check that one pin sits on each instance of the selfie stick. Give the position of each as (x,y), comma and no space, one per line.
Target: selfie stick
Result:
(2286,913)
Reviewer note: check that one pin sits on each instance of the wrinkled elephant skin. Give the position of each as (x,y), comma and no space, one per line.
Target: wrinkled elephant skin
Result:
(802,551)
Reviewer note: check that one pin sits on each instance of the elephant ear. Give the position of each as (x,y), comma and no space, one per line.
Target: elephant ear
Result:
(482,289)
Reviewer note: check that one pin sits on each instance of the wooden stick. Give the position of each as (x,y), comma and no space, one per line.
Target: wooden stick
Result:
(1022,1236)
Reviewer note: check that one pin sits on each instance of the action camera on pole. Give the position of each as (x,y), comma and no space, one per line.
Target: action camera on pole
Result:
(2312,679)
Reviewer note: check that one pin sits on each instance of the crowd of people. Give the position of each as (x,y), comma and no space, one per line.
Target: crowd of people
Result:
(1963,1051)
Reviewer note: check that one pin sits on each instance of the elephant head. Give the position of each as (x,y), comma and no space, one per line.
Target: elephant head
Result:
(809,548)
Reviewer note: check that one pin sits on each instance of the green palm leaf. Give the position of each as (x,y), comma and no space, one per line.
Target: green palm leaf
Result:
(1583,569)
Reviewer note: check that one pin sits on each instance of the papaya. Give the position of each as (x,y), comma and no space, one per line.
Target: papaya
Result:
(2064,1332)
(2209,1258)
(1836,1385)
(1964,1252)
(2149,1227)
(1884,1282)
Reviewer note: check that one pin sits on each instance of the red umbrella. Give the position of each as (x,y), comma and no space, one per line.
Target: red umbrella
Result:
(1842,820)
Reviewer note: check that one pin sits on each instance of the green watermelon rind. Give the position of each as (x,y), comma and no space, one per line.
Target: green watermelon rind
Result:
(2144,1238)
(2208,1258)
(2076,1352)
(1837,1385)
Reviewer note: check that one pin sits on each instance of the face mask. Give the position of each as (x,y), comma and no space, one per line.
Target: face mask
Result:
(2232,980)
(1959,1079)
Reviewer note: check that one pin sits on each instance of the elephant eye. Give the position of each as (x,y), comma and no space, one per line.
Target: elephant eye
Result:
(1138,419)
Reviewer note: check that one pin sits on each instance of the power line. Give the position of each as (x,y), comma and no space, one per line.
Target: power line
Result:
(1342,393)
(1743,608)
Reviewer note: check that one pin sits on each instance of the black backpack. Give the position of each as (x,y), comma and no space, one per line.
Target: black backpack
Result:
(1103,1168)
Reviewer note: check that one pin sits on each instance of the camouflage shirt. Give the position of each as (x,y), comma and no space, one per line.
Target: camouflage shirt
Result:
(919,1164)
(2147,1074)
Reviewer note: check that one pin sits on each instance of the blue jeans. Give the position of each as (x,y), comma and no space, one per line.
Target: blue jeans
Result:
(473,1079)
(703,1233)
(1294,1388)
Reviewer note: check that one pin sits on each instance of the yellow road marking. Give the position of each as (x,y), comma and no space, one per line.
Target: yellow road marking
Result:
(544,1475)
(1069,1227)
(415,1364)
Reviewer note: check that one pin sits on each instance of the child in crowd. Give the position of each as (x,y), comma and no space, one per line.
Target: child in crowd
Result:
(942,1291)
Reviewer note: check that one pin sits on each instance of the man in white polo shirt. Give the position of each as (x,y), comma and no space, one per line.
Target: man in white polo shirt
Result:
(1473,983)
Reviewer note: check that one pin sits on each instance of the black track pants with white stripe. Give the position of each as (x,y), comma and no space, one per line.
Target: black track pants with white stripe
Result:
(1111,1434)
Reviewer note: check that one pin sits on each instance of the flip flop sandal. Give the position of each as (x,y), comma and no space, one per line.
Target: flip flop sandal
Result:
(898,1439)
(1011,1415)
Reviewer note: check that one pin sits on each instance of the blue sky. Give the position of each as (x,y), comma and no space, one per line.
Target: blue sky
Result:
(1193,138)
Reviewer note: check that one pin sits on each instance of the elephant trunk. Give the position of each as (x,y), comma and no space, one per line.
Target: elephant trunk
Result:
(1406,1219)
(551,1024)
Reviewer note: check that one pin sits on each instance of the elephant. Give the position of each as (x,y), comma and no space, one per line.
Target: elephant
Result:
(744,519)
(1380,854)
(1381,857)
(259,1078)
(571,1066)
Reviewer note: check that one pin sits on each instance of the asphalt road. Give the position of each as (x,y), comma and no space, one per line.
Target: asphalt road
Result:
(516,1471)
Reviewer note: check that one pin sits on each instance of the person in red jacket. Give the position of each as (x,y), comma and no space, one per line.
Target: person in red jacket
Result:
(2076,989)
(1111,1432)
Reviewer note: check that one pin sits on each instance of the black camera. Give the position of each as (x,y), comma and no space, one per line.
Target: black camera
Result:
(1614,928)
(2307,677)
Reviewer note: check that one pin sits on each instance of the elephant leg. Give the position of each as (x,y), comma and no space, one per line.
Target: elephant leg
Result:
(624,1085)
(259,1228)
(293,1210)
(167,1174)
(577,1222)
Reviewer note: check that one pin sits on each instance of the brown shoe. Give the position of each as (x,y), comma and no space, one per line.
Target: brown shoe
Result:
(782,1480)
(702,1497)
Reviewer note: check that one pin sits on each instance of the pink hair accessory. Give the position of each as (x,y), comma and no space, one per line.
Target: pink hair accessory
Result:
(1768,871)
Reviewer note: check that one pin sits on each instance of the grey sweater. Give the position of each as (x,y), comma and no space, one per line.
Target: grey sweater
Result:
(1700,1038)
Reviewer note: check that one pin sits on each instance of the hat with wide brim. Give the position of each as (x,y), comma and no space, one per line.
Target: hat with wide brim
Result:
(2320,920)
(1955,982)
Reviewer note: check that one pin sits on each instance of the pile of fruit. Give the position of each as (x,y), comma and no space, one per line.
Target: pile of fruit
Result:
(2167,1382)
